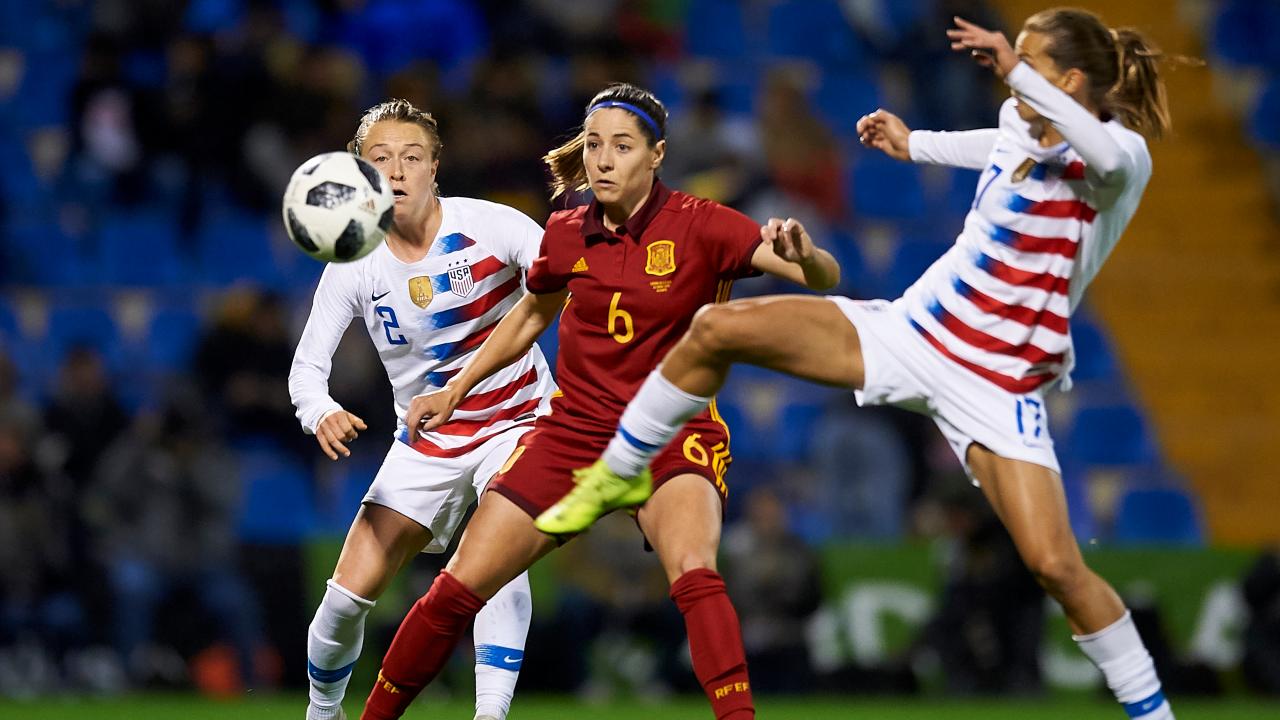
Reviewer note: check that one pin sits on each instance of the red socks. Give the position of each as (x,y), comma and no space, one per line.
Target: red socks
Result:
(422,646)
(715,642)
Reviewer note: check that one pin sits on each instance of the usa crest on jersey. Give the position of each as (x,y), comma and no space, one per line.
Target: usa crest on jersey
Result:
(460,282)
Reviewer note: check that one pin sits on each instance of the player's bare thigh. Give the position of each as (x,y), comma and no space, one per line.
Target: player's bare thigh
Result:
(378,544)
(682,522)
(499,543)
(801,335)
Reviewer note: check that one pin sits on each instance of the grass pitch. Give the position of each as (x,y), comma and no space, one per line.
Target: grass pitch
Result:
(532,707)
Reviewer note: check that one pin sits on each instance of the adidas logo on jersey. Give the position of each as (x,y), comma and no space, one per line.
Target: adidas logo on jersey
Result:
(580,266)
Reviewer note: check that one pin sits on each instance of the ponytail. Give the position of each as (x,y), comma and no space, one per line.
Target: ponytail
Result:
(1122,65)
(1138,97)
(565,162)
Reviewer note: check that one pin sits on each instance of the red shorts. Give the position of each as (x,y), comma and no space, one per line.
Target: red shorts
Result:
(540,471)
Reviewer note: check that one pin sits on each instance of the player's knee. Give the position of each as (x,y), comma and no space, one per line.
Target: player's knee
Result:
(1058,573)
(717,329)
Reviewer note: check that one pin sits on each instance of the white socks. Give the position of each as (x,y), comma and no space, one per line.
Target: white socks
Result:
(1118,652)
(337,635)
(651,419)
(333,644)
(500,632)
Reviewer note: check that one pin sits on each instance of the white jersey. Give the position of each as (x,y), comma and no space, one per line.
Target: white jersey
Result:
(1043,221)
(426,319)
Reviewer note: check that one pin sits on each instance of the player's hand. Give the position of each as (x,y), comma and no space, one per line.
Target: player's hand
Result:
(789,239)
(336,428)
(885,132)
(430,411)
(987,47)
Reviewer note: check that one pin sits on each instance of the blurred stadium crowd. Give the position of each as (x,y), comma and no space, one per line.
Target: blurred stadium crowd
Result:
(150,464)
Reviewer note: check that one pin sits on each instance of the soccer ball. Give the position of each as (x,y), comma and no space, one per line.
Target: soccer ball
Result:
(337,207)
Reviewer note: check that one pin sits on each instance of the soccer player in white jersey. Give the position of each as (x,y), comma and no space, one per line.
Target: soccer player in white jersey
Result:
(979,338)
(429,296)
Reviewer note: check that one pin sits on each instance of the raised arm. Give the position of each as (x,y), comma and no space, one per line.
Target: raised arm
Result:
(512,338)
(1108,165)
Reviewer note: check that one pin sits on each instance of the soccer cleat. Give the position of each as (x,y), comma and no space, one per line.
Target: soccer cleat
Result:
(598,491)
(486,717)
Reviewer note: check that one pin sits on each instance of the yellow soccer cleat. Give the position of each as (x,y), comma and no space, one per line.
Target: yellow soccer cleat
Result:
(598,491)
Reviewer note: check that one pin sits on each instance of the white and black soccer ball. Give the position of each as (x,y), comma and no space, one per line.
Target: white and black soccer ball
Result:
(337,207)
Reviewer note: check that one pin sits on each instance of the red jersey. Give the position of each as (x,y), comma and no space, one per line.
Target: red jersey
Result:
(634,291)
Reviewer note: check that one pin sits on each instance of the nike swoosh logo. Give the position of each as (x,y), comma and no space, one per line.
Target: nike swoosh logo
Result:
(376,298)
(510,660)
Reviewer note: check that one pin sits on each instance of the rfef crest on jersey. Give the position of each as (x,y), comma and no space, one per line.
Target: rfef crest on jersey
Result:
(661,259)
(460,281)
(420,290)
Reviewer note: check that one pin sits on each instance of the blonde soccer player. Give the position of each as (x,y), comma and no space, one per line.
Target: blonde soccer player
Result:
(450,268)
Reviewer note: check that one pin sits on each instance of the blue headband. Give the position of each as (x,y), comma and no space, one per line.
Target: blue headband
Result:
(644,116)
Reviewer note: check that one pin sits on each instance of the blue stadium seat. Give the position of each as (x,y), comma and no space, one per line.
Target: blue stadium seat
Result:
(1095,358)
(139,248)
(795,430)
(74,325)
(855,278)
(716,29)
(45,89)
(37,252)
(1166,516)
(1075,486)
(9,328)
(1264,121)
(235,246)
(843,96)
(884,189)
(910,260)
(172,334)
(1247,32)
(204,17)
(1110,435)
(954,205)
(278,503)
(816,30)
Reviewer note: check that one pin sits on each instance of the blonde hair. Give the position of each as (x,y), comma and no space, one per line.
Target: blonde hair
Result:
(397,110)
(565,162)
(1122,65)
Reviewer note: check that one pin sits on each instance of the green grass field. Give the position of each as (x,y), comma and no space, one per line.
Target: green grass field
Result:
(185,707)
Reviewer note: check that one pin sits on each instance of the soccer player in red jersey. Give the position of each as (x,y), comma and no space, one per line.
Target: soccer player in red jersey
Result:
(626,273)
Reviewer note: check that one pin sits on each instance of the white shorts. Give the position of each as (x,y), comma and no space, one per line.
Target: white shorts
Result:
(436,492)
(902,369)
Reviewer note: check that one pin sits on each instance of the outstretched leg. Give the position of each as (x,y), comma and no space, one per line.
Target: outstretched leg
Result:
(807,337)
(1029,500)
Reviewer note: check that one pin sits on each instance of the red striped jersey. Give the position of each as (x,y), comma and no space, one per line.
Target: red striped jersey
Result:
(426,319)
(1042,222)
